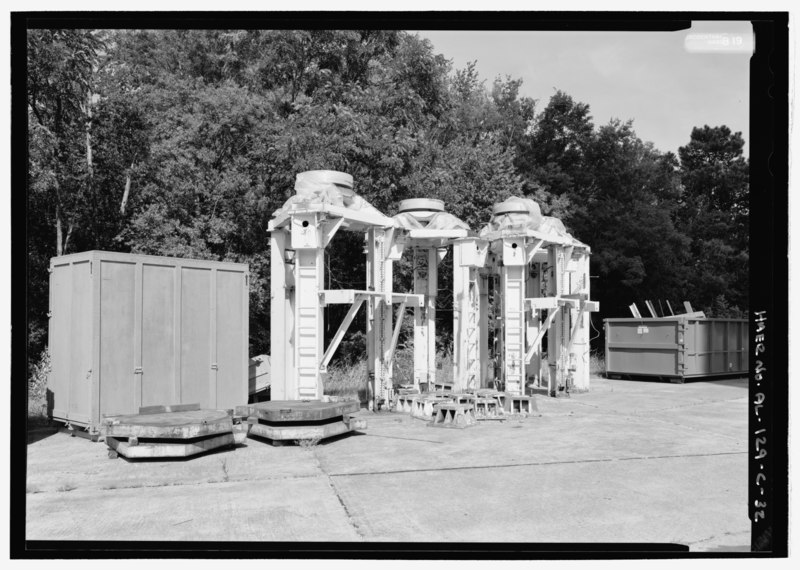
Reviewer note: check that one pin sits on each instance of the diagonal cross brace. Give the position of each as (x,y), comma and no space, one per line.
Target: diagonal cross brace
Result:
(532,348)
(575,327)
(337,338)
(389,356)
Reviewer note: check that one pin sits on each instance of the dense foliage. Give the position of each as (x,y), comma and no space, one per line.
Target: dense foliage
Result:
(183,143)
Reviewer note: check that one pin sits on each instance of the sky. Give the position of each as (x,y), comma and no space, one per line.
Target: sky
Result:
(650,77)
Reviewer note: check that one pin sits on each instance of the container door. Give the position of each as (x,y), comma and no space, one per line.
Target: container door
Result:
(158,335)
(196,346)
(117,322)
(60,339)
(231,373)
(80,334)
(703,347)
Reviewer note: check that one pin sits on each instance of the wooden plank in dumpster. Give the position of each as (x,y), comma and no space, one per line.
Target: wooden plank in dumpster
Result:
(130,331)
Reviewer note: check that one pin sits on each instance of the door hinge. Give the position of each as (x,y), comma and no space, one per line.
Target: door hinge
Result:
(214,366)
(138,370)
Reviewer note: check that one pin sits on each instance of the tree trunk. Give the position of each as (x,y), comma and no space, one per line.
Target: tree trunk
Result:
(90,170)
(59,250)
(127,191)
(89,162)
(66,239)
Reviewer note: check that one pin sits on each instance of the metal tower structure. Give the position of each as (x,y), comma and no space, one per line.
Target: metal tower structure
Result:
(539,291)
(429,231)
(300,231)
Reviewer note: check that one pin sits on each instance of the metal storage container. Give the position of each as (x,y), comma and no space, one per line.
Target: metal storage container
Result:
(676,347)
(128,331)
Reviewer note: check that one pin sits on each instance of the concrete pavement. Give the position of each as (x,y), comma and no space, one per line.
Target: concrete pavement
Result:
(628,461)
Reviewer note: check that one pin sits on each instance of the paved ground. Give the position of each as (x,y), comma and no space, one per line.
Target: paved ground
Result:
(627,462)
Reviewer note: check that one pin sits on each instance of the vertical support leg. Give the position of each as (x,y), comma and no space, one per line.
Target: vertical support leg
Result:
(496,354)
(430,306)
(381,327)
(580,342)
(421,329)
(466,323)
(473,344)
(281,319)
(459,316)
(532,289)
(556,336)
(388,330)
(482,280)
(514,328)
(309,318)
(369,246)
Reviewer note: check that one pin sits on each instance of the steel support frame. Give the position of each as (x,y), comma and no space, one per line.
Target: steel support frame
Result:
(557,355)
(299,357)
(526,289)
(581,317)
(470,308)
(282,317)
(379,318)
(426,282)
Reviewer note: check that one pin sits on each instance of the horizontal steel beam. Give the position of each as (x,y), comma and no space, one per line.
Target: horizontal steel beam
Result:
(345,296)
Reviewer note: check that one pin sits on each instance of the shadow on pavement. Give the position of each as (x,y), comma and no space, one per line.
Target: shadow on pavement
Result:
(39,433)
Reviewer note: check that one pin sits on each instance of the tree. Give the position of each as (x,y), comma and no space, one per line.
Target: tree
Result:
(61,192)
(714,213)
(60,68)
(554,154)
(625,214)
(184,142)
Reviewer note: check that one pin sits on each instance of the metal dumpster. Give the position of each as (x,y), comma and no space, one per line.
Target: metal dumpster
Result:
(676,347)
(128,331)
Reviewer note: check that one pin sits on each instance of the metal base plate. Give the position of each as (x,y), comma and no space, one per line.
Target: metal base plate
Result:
(178,448)
(170,425)
(297,410)
(303,432)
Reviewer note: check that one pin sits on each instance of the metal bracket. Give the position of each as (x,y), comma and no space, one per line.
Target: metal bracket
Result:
(532,249)
(138,370)
(329,229)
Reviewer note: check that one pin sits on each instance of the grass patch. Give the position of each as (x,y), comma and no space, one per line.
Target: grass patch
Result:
(37,392)
(349,380)
(597,364)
